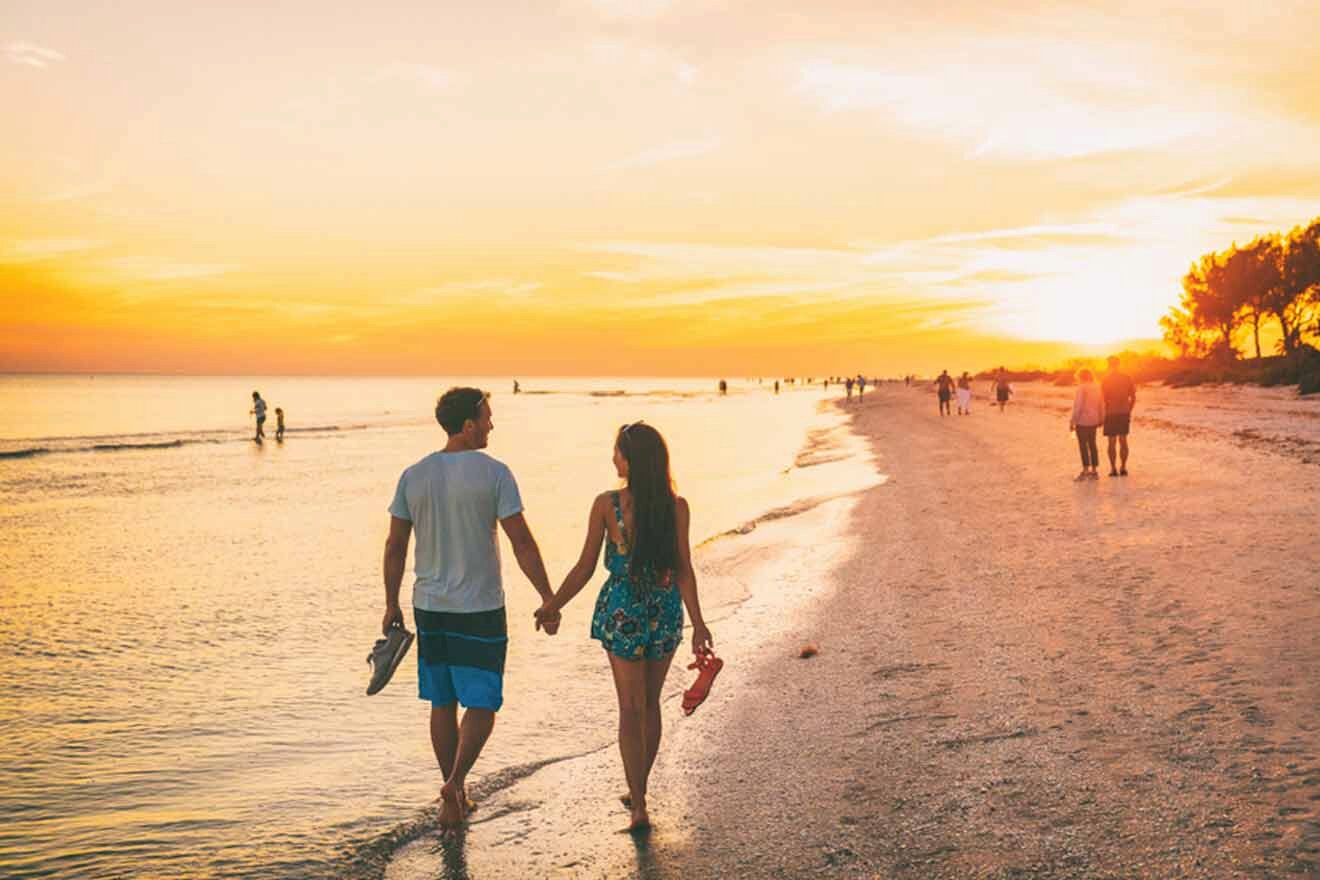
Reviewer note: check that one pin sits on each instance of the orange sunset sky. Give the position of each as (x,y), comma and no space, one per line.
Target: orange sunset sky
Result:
(651,187)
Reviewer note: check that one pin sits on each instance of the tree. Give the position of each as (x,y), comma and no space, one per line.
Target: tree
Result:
(1212,311)
(1295,303)
(1249,275)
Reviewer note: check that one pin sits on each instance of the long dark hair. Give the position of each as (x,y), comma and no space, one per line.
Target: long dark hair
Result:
(655,539)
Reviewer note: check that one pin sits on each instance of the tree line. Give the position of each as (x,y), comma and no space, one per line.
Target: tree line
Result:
(1273,283)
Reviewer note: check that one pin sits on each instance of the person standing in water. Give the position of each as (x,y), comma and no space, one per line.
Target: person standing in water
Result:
(944,387)
(965,394)
(259,410)
(639,612)
(1120,397)
(452,499)
(279,424)
(1088,414)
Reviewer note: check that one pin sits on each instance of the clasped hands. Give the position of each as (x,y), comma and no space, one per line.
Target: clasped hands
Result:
(548,617)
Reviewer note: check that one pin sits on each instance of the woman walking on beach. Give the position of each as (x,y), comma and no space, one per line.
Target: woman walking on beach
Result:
(639,612)
(1088,414)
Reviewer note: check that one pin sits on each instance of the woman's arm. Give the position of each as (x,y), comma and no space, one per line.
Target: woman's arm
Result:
(580,573)
(687,580)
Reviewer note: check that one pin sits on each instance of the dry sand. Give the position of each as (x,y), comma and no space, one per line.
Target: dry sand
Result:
(1019,676)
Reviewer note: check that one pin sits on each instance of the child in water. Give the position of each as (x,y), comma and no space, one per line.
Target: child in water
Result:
(279,425)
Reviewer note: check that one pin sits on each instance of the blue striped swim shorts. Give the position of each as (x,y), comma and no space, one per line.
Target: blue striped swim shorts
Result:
(460,657)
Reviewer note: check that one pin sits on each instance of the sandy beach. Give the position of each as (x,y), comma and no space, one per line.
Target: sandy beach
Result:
(1018,675)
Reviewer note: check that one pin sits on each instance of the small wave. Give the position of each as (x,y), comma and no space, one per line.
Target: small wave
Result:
(32,452)
(367,860)
(119,447)
(797,507)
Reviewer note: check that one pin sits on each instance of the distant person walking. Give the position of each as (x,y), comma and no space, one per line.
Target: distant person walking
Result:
(965,394)
(452,500)
(848,383)
(1088,414)
(517,389)
(861,387)
(1003,390)
(1120,394)
(259,410)
(724,387)
(639,611)
(279,424)
(776,386)
(944,387)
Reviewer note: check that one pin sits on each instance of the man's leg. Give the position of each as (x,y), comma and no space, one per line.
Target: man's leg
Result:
(472,735)
(630,685)
(444,737)
(1123,449)
(1113,454)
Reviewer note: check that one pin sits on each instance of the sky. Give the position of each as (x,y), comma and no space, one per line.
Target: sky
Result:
(657,187)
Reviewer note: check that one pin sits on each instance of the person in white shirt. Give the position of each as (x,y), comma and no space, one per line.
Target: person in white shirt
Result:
(1088,414)
(259,410)
(452,500)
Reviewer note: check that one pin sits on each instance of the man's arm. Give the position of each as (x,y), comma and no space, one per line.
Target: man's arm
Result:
(396,557)
(527,553)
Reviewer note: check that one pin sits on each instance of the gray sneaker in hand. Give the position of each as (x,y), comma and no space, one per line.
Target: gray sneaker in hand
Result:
(385,656)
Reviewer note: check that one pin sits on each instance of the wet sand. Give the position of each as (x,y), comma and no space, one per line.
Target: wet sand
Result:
(1019,676)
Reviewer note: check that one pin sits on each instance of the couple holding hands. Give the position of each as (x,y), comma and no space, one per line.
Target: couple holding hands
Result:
(451,500)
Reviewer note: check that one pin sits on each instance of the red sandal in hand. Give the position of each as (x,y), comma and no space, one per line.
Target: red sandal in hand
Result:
(709,666)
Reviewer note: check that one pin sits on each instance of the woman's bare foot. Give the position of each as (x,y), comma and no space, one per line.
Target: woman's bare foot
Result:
(640,821)
(453,806)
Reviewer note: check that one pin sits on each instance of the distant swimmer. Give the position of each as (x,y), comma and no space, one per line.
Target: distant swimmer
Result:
(279,425)
(724,387)
(776,386)
(1003,390)
(516,387)
(1088,414)
(259,410)
(1120,394)
(965,394)
(944,385)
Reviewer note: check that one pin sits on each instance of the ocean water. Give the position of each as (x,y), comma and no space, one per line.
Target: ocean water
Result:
(185,614)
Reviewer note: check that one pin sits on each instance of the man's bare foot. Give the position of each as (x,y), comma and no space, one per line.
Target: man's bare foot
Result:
(452,806)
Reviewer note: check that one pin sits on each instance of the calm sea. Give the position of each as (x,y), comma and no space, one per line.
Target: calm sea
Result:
(185,614)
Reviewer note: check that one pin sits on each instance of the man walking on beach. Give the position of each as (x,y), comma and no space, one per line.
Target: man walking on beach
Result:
(452,500)
(1120,394)
(944,385)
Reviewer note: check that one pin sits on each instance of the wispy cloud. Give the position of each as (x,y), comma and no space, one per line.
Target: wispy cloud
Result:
(429,77)
(480,288)
(632,9)
(31,55)
(671,152)
(1027,97)
(153,269)
(36,249)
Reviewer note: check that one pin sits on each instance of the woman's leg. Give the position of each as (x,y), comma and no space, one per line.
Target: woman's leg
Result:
(1081,447)
(656,671)
(630,685)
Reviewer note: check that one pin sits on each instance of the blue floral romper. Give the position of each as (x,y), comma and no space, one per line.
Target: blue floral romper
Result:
(630,625)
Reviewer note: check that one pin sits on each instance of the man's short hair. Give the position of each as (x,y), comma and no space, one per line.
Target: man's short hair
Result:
(456,406)
(1113,360)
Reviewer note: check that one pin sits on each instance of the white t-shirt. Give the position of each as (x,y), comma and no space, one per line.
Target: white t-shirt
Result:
(454,501)
(259,406)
